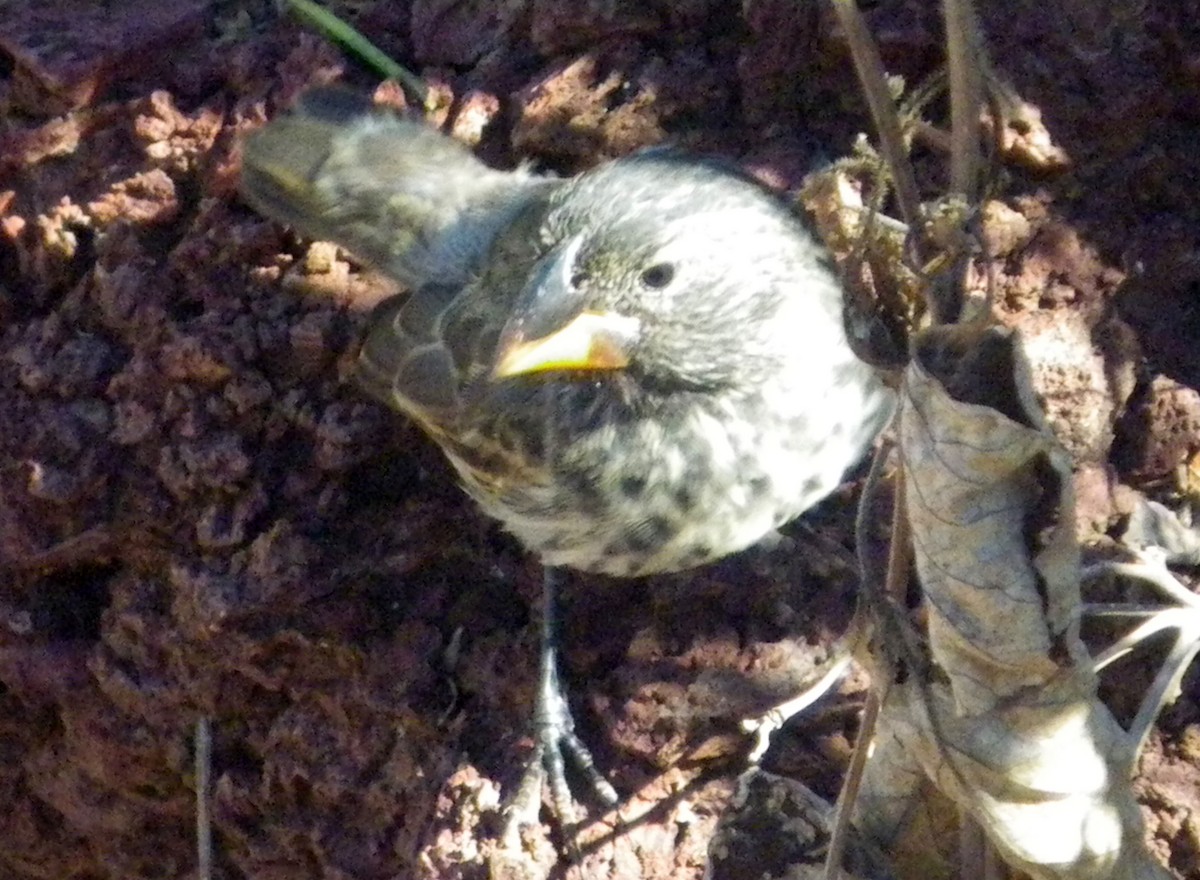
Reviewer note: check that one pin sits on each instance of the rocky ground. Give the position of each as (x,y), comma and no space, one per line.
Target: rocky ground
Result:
(198,518)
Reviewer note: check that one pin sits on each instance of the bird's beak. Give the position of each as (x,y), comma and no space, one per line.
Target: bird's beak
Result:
(589,341)
(551,329)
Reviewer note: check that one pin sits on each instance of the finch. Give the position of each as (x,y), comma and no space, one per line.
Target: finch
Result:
(640,369)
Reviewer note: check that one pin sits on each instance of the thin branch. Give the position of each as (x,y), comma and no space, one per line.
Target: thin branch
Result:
(873,79)
(840,832)
(965,61)
(203,770)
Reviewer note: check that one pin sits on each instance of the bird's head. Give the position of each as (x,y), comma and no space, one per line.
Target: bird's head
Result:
(671,269)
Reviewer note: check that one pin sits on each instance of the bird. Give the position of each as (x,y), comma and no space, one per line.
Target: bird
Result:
(640,369)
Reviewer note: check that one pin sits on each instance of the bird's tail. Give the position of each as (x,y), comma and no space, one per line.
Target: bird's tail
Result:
(393,191)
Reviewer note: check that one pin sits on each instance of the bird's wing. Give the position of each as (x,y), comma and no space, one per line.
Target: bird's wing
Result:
(430,353)
(423,355)
(404,362)
(396,193)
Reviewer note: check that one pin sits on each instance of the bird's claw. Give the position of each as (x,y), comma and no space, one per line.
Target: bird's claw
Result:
(554,741)
(546,765)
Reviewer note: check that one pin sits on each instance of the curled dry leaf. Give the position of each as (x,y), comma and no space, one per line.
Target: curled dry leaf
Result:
(902,812)
(990,507)
(1001,714)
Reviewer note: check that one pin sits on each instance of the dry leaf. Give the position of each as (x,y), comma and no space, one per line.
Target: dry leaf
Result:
(1001,713)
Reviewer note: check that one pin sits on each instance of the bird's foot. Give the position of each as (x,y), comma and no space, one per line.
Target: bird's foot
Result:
(555,741)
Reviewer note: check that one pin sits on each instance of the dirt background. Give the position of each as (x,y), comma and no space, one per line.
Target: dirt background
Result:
(197,518)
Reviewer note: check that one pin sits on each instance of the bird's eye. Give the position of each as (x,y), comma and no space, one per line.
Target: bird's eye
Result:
(658,276)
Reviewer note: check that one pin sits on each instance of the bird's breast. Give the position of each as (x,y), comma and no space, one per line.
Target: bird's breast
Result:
(627,495)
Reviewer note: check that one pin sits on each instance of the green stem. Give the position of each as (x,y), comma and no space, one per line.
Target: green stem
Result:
(338,31)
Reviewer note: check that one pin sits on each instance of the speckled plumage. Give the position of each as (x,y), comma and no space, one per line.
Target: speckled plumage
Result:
(740,406)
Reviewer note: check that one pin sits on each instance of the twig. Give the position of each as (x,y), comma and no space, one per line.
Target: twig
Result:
(964,59)
(839,834)
(203,770)
(764,726)
(873,79)
(873,605)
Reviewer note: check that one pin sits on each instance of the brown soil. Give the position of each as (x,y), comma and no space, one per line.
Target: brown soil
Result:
(197,518)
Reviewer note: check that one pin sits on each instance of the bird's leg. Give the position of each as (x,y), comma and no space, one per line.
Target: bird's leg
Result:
(553,733)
